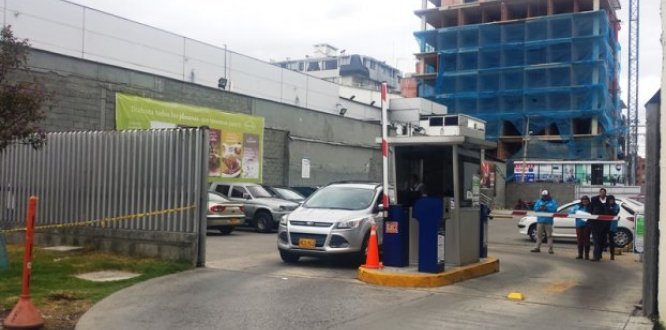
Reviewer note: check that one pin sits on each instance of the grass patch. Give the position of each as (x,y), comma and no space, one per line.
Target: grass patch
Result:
(53,286)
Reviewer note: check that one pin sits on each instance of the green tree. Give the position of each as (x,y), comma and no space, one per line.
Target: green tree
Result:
(20,101)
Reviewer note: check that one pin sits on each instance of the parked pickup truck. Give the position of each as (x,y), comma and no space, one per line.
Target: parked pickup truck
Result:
(262,211)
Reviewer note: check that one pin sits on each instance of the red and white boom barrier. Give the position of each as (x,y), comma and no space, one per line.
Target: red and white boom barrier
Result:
(523,213)
(385,147)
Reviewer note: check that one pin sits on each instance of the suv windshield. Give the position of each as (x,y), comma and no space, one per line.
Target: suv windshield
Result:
(258,192)
(345,198)
(288,194)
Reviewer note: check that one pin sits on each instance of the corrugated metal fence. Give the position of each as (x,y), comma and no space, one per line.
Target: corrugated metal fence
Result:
(116,176)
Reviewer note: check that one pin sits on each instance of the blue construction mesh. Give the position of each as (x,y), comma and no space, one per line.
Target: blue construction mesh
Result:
(551,69)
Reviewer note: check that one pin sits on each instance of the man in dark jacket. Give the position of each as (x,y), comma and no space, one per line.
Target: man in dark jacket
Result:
(599,206)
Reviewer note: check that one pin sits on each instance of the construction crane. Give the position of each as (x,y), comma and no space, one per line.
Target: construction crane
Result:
(632,91)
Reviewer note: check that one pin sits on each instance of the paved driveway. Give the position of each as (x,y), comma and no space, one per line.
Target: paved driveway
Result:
(246,286)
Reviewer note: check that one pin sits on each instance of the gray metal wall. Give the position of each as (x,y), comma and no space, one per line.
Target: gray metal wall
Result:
(652,191)
(89,182)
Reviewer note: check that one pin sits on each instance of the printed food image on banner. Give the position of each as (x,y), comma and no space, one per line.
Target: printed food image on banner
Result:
(236,140)
(215,153)
(251,156)
(232,150)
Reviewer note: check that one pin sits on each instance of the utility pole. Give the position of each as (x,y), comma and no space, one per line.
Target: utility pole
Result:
(632,91)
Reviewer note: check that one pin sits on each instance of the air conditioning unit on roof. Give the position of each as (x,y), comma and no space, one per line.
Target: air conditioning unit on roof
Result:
(453,125)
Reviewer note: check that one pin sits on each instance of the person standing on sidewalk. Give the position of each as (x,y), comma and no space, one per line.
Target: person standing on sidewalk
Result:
(599,206)
(544,223)
(582,228)
(614,210)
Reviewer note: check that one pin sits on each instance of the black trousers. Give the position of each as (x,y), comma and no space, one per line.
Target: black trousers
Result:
(600,231)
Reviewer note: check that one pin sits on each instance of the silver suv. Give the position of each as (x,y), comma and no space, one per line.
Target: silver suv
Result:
(334,221)
(262,211)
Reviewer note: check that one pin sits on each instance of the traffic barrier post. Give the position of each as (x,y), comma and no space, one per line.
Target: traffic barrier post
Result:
(25,315)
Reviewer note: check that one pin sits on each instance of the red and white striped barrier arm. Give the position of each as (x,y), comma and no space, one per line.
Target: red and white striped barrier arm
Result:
(385,146)
(523,213)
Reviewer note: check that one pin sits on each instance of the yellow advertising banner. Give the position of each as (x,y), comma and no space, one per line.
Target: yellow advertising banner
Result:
(236,140)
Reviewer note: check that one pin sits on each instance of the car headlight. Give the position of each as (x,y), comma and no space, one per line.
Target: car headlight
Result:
(350,224)
(286,208)
(283,221)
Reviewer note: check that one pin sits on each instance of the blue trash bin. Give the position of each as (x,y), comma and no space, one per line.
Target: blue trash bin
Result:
(395,245)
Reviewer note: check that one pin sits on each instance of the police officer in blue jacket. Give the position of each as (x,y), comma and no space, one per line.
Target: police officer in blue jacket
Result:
(545,223)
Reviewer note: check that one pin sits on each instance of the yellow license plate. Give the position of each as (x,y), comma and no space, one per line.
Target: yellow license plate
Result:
(307,243)
(234,222)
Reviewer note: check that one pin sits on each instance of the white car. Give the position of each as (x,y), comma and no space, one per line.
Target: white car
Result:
(566,227)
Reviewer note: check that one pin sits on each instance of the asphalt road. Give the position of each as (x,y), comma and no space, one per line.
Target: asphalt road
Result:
(246,286)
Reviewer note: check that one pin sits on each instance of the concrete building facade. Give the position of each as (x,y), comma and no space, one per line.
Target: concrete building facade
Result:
(337,147)
(352,70)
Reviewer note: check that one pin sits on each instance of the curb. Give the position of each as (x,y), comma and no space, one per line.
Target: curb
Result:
(423,280)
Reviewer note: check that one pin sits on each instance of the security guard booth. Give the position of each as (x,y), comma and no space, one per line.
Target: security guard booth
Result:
(447,160)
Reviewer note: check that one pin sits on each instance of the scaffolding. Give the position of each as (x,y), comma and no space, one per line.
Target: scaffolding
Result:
(558,73)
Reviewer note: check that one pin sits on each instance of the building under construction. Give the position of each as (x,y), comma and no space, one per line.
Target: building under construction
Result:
(542,73)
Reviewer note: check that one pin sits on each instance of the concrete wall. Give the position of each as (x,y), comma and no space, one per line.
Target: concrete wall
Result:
(561,192)
(338,147)
(169,246)
(357,163)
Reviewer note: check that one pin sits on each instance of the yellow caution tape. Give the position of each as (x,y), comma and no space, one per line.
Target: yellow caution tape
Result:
(103,221)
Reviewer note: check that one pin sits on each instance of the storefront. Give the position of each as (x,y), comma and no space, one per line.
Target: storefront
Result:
(584,173)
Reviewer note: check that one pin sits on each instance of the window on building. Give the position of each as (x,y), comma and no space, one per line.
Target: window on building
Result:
(582,126)
(301,66)
(331,65)
(313,66)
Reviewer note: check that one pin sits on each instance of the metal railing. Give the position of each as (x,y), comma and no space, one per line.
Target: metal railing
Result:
(153,178)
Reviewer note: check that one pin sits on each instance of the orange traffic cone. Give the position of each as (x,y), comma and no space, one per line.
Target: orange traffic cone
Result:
(372,259)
